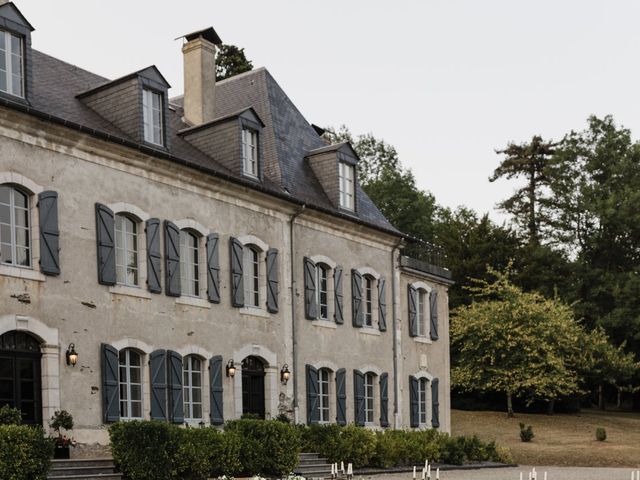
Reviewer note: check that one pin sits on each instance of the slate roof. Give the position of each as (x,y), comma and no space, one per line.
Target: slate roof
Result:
(287,136)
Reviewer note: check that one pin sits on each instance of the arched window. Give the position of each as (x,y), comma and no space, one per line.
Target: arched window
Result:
(126,230)
(15,225)
(368,301)
(322,288)
(192,384)
(251,276)
(369,379)
(130,363)
(423,384)
(323,394)
(189,264)
(421,312)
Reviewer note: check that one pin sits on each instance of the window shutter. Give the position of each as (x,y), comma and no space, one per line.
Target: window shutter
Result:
(433,311)
(215,387)
(337,285)
(313,407)
(356,298)
(272,280)
(110,388)
(237,284)
(213,268)
(435,404)
(358,390)
(172,258)
(176,405)
(49,233)
(414,399)
(341,396)
(158,371)
(154,257)
(382,305)
(384,400)
(413,319)
(310,305)
(105,237)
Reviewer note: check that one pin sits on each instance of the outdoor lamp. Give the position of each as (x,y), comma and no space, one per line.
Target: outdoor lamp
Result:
(285,374)
(201,424)
(231,369)
(72,355)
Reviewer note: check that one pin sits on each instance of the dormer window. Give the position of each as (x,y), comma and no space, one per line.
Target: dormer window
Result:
(346,177)
(11,77)
(152,116)
(250,152)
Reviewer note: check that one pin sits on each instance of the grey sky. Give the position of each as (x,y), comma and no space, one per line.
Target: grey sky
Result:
(446,82)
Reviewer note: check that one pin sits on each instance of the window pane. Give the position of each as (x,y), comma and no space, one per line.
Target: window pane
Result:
(134,358)
(136,392)
(16,47)
(22,257)
(197,411)
(5,194)
(136,410)
(3,45)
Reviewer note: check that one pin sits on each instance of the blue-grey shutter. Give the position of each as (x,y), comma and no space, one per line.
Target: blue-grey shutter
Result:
(358,391)
(310,304)
(272,280)
(338,302)
(341,396)
(384,400)
(237,285)
(105,237)
(433,310)
(176,404)
(414,399)
(356,298)
(49,233)
(215,387)
(213,268)
(110,388)
(382,305)
(413,309)
(172,259)
(154,257)
(158,372)
(435,404)
(313,407)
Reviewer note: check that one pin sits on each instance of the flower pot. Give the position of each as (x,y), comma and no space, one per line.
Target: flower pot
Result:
(61,452)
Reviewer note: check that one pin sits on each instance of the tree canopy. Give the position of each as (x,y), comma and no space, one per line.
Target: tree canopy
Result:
(230,61)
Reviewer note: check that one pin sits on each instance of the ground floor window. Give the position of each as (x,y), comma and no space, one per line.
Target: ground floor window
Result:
(192,384)
(368,397)
(422,400)
(130,363)
(323,395)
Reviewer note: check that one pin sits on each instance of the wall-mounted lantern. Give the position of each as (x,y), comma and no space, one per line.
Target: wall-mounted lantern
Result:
(231,369)
(72,355)
(285,374)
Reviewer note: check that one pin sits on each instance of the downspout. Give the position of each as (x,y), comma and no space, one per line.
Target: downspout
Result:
(394,312)
(293,312)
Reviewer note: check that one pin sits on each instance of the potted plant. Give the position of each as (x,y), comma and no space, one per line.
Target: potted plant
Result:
(62,420)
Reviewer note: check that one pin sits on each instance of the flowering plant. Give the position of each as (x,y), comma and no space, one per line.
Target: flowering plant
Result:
(62,420)
(64,441)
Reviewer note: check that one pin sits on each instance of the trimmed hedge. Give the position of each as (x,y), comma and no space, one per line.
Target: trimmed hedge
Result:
(25,452)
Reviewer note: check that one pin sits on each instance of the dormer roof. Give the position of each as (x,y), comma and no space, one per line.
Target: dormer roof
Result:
(9,11)
(150,73)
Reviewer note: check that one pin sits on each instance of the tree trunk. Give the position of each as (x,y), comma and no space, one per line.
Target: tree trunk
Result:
(600,397)
(619,400)
(533,224)
(551,406)
(509,405)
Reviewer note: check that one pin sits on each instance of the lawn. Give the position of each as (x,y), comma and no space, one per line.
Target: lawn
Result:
(566,440)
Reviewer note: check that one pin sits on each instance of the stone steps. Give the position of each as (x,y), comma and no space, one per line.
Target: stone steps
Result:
(312,465)
(83,469)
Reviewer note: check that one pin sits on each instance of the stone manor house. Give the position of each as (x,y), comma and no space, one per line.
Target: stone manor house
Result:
(196,258)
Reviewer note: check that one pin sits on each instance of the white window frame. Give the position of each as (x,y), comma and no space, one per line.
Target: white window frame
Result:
(251,271)
(367,301)
(121,238)
(324,395)
(188,373)
(346,175)
(148,116)
(250,152)
(127,383)
(423,401)
(190,268)
(369,400)
(321,270)
(8,53)
(423,323)
(13,227)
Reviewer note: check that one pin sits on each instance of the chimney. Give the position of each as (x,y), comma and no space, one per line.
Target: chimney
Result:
(199,54)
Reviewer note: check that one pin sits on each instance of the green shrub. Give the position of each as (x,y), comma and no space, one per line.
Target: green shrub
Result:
(453,450)
(207,452)
(25,453)
(601,434)
(341,444)
(61,419)
(526,434)
(391,449)
(10,416)
(424,445)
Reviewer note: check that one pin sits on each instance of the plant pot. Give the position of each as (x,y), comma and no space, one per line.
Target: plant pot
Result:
(61,452)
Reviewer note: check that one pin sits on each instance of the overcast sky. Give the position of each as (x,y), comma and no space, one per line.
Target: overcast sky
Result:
(446,82)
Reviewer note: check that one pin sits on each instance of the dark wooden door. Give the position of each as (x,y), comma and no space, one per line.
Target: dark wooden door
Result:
(253,387)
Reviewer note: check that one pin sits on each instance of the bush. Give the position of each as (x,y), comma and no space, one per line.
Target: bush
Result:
(25,453)
(526,434)
(424,445)
(61,419)
(601,434)
(341,444)
(10,416)
(207,452)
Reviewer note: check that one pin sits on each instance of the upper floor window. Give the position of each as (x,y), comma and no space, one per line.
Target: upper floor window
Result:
(346,175)
(368,397)
(251,277)
(11,67)
(189,264)
(321,291)
(250,152)
(368,301)
(130,381)
(15,235)
(152,116)
(192,384)
(323,394)
(422,400)
(421,315)
(126,241)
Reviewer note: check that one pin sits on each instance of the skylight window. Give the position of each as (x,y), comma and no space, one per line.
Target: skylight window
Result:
(11,70)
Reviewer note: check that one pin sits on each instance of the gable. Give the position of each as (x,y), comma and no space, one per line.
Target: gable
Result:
(9,12)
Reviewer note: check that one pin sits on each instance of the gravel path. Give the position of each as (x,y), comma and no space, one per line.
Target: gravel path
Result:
(553,473)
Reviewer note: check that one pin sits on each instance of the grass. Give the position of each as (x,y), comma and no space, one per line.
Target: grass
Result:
(564,440)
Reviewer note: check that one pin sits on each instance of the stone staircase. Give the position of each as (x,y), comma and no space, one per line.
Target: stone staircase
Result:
(83,469)
(313,466)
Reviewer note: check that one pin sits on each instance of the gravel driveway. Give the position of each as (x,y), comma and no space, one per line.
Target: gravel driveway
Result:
(553,473)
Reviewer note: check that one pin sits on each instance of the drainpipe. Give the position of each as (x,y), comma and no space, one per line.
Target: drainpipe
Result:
(293,312)
(394,310)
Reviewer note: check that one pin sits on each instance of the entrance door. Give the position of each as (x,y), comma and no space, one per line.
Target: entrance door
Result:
(20,385)
(253,387)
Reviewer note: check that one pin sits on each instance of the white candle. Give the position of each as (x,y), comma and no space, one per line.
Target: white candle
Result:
(424,474)
(426,464)
(520,475)
(529,475)
(350,469)
(332,471)
(437,474)
(414,472)
(545,475)
(429,471)
(342,467)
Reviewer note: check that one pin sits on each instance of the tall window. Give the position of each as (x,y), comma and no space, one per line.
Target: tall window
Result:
(368,301)
(192,383)
(421,316)
(126,251)
(189,266)
(422,400)
(11,78)
(130,384)
(321,291)
(251,277)
(368,397)
(15,235)
(152,116)
(346,174)
(250,152)
(323,394)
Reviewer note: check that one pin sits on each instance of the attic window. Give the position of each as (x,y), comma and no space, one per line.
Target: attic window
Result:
(152,116)
(346,177)
(11,77)
(250,152)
